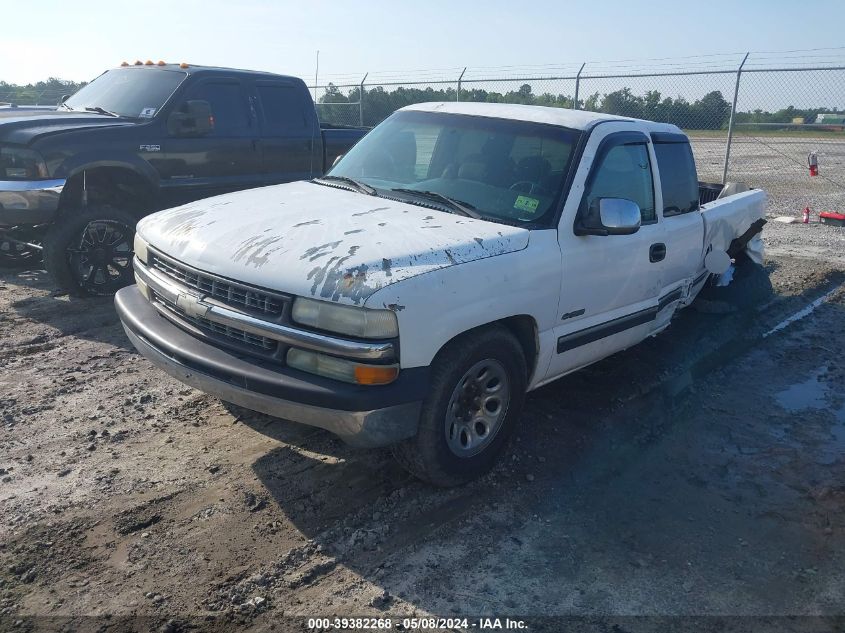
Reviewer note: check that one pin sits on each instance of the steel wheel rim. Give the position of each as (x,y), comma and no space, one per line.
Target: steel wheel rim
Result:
(102,259)
(477,408)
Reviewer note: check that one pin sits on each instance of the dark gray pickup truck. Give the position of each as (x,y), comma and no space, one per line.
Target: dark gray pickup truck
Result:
(75,180)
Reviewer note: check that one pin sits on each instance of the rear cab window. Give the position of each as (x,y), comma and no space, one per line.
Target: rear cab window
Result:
(282,109)
(678,177)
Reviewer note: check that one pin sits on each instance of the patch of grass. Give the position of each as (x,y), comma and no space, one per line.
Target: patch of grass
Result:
(833,135)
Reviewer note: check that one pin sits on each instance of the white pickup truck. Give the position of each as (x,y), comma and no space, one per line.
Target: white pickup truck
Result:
(459,256)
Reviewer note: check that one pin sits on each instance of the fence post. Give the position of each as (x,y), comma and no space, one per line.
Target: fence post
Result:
(731,121)
(361,101)
(458,95)
(578,86)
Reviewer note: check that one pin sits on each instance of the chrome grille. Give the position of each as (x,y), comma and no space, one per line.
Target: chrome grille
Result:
(237,296)
(236,335)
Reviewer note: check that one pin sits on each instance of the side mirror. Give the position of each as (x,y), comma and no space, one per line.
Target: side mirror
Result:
(610,216)
(194,118)
(619,216)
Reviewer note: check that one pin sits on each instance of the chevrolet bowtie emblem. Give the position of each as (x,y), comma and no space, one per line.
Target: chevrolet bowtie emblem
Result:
(192,305)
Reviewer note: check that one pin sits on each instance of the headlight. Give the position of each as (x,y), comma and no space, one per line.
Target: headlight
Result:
(341,369)
(140,248)
(21,164)
(361,322)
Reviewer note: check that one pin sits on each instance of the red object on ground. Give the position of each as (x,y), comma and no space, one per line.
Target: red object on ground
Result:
(813,162)
(806,215)
(834,219)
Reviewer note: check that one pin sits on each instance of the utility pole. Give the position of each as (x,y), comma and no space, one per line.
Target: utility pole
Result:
(316,74)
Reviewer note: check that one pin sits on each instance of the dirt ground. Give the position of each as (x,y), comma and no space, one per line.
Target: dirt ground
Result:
(700,473)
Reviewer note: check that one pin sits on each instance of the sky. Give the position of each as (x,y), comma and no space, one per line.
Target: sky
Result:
(77,41)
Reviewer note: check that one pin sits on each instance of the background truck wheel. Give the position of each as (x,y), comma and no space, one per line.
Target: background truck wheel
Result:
(14,254)
(89,253)
(477,390)
(750,286)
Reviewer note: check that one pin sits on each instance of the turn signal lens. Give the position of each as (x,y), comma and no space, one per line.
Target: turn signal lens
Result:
(149,62)
(375,374)
(161,63)
(340,368)
(183,65)
(138,62)
(143,288)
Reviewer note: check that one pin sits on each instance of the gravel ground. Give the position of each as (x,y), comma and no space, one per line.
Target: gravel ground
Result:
(699,473)
(779,166)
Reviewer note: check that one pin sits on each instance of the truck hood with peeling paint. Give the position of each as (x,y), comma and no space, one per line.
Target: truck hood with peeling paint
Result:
(317,241)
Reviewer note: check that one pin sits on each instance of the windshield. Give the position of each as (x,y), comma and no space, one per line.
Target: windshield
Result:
(131,92)
(504,169)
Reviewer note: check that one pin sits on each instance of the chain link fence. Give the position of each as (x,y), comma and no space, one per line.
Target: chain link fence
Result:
(787,106)
(782,114)
(33,97)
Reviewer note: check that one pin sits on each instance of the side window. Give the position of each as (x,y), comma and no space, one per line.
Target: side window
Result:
(625,172)
(678,179)
(282,109)
(228,107)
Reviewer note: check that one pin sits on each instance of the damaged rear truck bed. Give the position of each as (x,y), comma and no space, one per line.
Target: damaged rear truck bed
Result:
(457,257)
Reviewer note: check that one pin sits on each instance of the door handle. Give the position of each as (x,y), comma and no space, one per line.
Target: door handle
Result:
(657,252)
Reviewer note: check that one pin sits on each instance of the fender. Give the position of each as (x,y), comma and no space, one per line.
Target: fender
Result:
(77,163)
(435,307)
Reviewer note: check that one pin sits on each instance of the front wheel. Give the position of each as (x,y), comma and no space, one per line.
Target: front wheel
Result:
(477,391)
(89,253)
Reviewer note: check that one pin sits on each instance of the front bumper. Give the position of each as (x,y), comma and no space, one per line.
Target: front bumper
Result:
(363,416)
(29,202)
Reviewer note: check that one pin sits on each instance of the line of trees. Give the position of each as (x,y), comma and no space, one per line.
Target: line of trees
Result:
(41,93)
(710,112)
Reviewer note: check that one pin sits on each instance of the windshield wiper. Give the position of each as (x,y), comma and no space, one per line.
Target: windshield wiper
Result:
(360,187)
(457,206)
(100,110)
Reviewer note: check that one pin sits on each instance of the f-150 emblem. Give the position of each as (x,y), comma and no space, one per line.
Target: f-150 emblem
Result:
(192,305)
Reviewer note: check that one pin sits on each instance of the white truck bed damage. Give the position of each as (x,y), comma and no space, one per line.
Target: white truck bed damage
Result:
(728,218)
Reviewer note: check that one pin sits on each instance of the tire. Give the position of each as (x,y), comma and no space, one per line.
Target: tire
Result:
(16,255)
(89,253)
(450,450)
(750,287)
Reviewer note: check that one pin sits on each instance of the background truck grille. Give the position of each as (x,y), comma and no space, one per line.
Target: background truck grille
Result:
(237,296)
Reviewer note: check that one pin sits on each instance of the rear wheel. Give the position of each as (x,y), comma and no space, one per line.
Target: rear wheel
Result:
(476,396)
(16,252)
(89,253)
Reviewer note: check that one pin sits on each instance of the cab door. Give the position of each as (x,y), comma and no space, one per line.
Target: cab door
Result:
(288,129)
(610,284)
(223,160)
